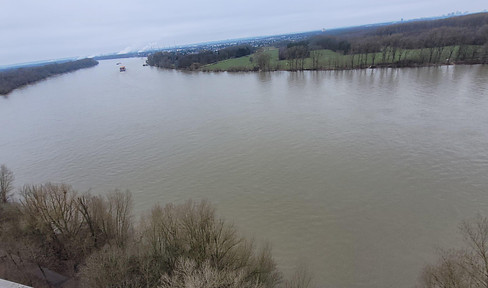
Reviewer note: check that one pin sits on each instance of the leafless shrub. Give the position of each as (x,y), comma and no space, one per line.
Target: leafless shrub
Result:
(51,211)
(475,260)
(11,232)
(55,227)
(192,231)
(67,227)
(448,272)
(6,183)
(109,219)
(119,216)
(301,278)
(463,268)
(22,251)
(188,274)
(112,266)
(183,245)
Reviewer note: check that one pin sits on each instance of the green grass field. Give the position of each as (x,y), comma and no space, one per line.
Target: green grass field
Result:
(330,60)
(243,63)
(246,63)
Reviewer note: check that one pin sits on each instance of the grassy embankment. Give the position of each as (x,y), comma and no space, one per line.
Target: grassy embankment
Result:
(330,60)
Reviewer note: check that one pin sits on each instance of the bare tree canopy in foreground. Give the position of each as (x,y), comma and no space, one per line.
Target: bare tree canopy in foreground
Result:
(462,268)
(54,236)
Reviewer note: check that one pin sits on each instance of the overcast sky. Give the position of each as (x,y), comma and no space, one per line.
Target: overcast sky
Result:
(33,30)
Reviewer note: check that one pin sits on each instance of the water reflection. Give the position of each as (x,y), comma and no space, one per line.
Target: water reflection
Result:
(264,76)
(297,78)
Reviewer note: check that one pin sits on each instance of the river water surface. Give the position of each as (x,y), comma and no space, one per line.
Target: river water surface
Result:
(359,174)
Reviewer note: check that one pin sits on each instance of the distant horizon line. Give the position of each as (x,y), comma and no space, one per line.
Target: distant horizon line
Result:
(56,60)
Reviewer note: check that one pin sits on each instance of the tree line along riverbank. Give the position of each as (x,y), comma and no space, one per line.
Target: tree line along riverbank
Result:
(14,78)
(455,40)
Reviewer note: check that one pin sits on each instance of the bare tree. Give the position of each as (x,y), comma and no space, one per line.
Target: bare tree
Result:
(301,278)
(108,219)
(475,262)
(194,232)
(114,266)
(448,272)
(188,274)
(315,55)
(484,54)
(181,246)
(263,60)
(52,211)
(462,268)
(6,183)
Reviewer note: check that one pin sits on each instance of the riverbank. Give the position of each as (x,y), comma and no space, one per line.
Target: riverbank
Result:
(16,78)
(332,60)
(327,60)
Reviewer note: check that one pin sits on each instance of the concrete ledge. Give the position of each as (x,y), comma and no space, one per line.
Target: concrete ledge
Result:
(8,284)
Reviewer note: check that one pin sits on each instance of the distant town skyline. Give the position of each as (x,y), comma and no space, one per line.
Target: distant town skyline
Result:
(55,29)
